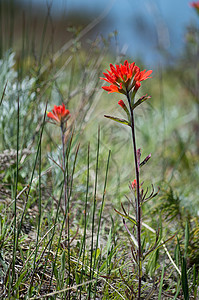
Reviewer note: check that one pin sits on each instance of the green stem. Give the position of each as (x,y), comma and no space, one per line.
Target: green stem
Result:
(64,167)
(66,203)
(138,201)
(15,239)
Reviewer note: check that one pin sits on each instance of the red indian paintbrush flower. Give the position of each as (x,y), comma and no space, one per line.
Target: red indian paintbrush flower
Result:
(59,114)
(124,78)
(134,184)
(195,4)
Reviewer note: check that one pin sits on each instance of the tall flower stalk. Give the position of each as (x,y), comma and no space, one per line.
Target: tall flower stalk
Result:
(126,79)
(59,116)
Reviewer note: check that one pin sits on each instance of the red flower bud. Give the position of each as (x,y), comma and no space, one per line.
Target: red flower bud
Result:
(121,103)
(134,184)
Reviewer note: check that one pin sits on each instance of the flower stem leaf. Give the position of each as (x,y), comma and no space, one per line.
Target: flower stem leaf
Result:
(126,217)
(123,106)
(145,160)
(122,121)
(142,99)
(151,196)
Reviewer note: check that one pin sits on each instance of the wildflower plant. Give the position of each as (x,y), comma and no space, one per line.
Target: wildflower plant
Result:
(126,79)
(59,117)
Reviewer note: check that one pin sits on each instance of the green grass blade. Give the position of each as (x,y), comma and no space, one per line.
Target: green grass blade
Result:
(177,292)
(102,204)
(3,94)
(186,241)
(161,283)
(86,218)
(185,286)
(94,207)
(39,222)
(33,171)
(15,239)
(100,215)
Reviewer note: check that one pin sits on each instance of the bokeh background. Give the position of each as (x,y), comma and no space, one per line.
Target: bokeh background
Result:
(153,30)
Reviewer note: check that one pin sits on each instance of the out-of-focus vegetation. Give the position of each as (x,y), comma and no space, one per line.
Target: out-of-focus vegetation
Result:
(36,70)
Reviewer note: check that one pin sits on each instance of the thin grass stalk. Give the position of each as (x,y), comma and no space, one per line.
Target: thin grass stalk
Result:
(15,238)
(62,228)
(3,94)
(100,215)
(68,217)
(72,72)
(64,290)
(39,221)
(64,167)
(103,198)
(51,238)
(97,276)
(21,61)
(83,245)
(56,217)
(43,36)
(18,229)
(32,175)
(138,200)
(94,207)
(65,214)
(161,283)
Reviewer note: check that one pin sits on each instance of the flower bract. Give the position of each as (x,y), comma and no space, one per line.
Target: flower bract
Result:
(121,103)
(59,114)
(134,184)
(123,78)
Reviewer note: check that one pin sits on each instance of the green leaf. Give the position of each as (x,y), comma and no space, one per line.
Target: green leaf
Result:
(127,217)
(63,261)
(161,283)
(177,254)
(122,121)
(184,279)
(20,279)
(186,238)
(97,253)
(142,99)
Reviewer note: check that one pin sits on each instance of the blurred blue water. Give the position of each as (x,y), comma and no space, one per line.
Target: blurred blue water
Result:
(142,25)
